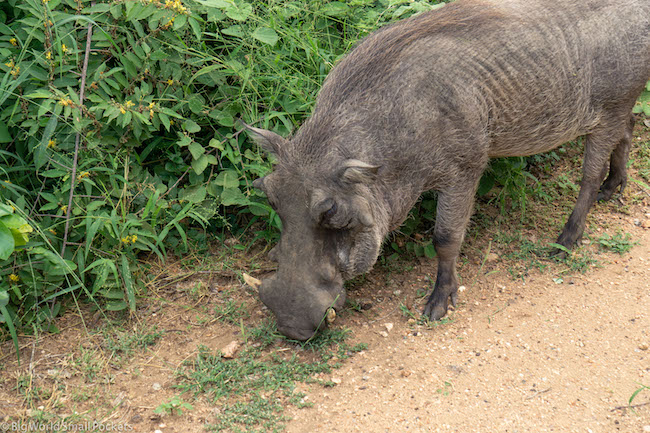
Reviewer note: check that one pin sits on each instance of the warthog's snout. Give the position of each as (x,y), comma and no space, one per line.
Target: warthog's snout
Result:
(301,312)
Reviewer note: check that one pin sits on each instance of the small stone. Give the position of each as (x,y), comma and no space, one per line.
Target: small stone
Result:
(646,224)
(388,326)
(405,373)
(229,351)
(643,346)
(336,380)
(135,419)
(383,334)
(157,431)
(411,321)
(156,386)
(646,428)
(162,425)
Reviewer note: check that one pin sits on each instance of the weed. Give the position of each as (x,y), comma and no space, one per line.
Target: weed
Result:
(446,390)
(636,393)
(618,243)
(175,406)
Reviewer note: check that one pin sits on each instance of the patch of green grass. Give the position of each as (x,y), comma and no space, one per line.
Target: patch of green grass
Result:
(252,390)
(230,311)
(122,344)
(619,243)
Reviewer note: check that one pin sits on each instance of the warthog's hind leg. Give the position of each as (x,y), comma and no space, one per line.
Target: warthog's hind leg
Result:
(617,165)
(609,140)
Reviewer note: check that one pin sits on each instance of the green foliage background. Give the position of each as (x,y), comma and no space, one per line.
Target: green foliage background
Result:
(118,131)
(119,136)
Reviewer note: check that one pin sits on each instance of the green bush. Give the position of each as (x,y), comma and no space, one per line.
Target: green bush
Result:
(118,125)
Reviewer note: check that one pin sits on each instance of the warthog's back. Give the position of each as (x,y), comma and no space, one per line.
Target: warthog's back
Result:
(526,74)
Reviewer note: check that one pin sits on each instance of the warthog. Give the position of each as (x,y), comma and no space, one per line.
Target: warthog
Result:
(423,104)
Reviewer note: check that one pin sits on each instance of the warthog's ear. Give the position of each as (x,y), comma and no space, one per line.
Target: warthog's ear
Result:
(267,140)
(355,171)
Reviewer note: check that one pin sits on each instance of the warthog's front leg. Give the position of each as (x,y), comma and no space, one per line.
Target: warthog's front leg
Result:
(454,209)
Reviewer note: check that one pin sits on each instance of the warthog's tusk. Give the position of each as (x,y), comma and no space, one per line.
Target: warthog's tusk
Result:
(330,315)
(251,281)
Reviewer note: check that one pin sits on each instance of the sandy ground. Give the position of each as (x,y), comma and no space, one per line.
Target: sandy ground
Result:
(544,356)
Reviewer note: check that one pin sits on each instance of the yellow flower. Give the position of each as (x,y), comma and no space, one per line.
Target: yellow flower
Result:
(52,231)
(82,175)
(134,238)
(51,144)
(64,48)
(152,105)
(122,110)
(13,42)
(10,64)
(15,71)
(129,104)
(13,278)
(170,81)
(48,55)
(64,208)
(150,113)
(171,121)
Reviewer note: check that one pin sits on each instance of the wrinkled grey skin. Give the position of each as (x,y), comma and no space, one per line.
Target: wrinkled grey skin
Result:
(423,104)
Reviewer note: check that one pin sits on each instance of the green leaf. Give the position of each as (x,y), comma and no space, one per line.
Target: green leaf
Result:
(233,196)
(180,21)
(5,210)
(191,126)
(195,194)
(196,104)
(235,30)
(335,9)
(5,136)
(196,150)
(128,283)
(159,55)
(200,164)
(214,3)
(7,243)
(116,305)
(266,35)
(10,324)
(227,179)
(19,228)
(239,11)
(429,251)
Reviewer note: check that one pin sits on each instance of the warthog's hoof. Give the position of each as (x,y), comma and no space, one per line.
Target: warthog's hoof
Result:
(438,303)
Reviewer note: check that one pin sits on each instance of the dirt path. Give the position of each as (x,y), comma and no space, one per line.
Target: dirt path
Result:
(547,356)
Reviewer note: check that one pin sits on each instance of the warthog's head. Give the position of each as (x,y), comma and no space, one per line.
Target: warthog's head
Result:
(329,234)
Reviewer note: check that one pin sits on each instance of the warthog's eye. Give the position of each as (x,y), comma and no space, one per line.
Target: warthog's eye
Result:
(330,212)
(324,211)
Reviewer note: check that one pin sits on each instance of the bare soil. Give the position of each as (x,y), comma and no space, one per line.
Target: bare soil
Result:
(550,350)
